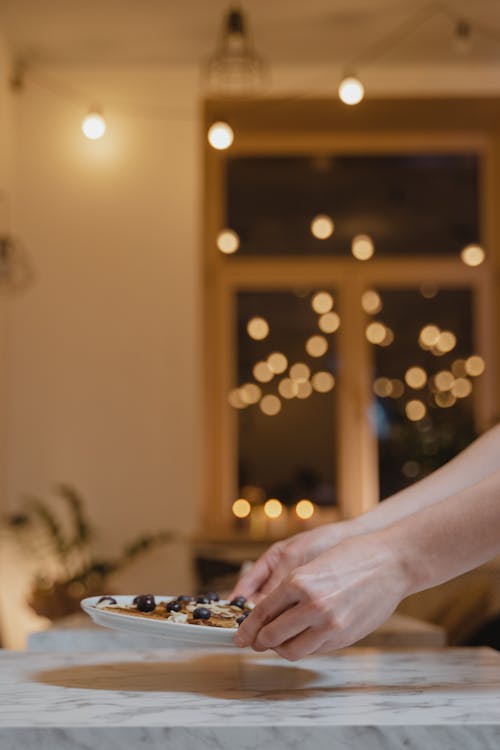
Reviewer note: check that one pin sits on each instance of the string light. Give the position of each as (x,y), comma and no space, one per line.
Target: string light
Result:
(270,405)
(258,328)
(277,362)
(472,255)
(382,387)
(428,336)
(250,393)
(288,388)
(300,372)
(415,410)
(416,377)
(458,368)
(329,322)
(262,372)
(388,337)
(304,389)
(371,302)
(375,332)
(241,508)
(273,508)
(323,381)
(220,135)
(304,509)
(351,90)
(444,380)
(316,346)
(362,247)
(228,241)
(475,365)
(445,399)
(397,388)
(93,126)
(322,227)
(446,342)
(322,302)
(235,399)
(461,388)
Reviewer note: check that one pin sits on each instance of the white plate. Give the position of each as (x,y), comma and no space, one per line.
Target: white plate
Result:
(170,631)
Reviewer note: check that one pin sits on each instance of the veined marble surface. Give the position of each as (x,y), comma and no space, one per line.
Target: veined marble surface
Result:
(356,699)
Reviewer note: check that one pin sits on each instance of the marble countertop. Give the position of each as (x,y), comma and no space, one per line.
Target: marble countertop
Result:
(356,699)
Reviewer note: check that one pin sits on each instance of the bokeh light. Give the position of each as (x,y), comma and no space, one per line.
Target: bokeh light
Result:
(322,227)
(322,302)
(371,302)
(262,372)
(428,336)
(316,346)
(258,328)
(444,380)
(304,509)
(288,388)
(472,255)
(220,135)
(445,399)
(93,126)
(375,332)
(277,362)
(304,389)
(241,508)
(475,365)
(461,388)
(323,381)
(250,393)
(416,377)
(362,247)
(270,405)
(228,241)
(273,508)
(383,387)
(446,342)
(300,372)
(329,322)
(351,90)
(235,399)
(415,410)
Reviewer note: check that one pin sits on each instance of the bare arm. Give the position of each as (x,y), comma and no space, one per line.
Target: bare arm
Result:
(348,591)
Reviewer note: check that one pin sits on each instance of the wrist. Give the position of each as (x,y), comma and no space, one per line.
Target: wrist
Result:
(402,559)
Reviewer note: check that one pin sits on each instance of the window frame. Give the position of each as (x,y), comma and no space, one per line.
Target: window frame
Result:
(357,458)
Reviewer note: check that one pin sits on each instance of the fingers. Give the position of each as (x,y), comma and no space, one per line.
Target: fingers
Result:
(291,623)
(308,642)
(264,612)
(252,580)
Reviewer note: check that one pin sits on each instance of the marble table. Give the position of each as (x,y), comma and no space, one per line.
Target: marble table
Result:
(357,699)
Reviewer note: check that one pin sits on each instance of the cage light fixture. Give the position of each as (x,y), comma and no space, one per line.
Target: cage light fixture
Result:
(235,67)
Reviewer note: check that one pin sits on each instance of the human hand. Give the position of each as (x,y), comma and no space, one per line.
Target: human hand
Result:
(330,602)
(281,558)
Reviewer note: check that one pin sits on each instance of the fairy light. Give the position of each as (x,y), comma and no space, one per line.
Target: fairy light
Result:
(444,399)
(304,509)
(446,342)
(250,393)
(322,227)
(362,247)
(258,328)
(351,90)
(220,135)
(444,380)
(415,410)
(273,508)
(93,126)
(416,377)
(475,365)
(323,381)
(322,302)
(316,346)
(388,337)
(472,255)
(383,387)
(304,389)
(398,388)
(371,302)
(288,388)
(458,368)
(235,399)
(300,372)
(277,362)
(375,332)
(461,388)
(262,372)
(241,508)
(329,322)
(428,336)
(270,405)
(228,241)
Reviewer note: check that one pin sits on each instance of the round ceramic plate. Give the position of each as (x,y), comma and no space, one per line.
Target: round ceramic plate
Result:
(170,631)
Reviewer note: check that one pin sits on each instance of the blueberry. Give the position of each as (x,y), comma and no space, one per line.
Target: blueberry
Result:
(184,598)
(203,599)
(243,617)
(212,596)
(109,599)
(201,613)
(239,601)
(145,602)
(173,606)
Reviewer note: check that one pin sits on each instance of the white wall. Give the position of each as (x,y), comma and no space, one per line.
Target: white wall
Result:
(103,350)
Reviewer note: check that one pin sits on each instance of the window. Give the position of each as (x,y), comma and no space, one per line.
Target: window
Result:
(419,202)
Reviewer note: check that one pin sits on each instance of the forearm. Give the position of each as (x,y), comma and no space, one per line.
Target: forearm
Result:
(475,463)
(449,538)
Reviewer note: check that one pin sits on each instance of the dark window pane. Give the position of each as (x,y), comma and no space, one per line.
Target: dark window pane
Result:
(408,204)
(289,455)
(409,450)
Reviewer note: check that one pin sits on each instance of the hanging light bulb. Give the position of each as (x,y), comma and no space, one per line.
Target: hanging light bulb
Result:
(351,90)
(235,66)
(93,126)
(220,135)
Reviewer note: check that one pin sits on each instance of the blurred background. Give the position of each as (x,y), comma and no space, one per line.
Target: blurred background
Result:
(249,260)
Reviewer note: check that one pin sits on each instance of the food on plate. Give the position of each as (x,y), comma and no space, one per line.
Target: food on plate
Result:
(207,609)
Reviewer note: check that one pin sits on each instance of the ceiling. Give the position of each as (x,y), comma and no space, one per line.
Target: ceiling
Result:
(285,31)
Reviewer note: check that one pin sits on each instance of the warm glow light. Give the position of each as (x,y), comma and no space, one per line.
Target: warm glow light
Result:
(475,365)
(446,342)
(323,381)
(228,241)
(461,388)
(445,399)
(383,387)
(371,302)
(316,346)
(220,135)
(351,90)
(322,227)
(458,368)
(273,508)
(416,377)
(415,410)
(444,380)
(472,255)
(300,372)
(277,362)
(428,336)
(235,399)
(270,405)
(322,302)
(250,393)
(329,322)
(375,332)
(93,126)
(304,509)
(241,508)
(388,337)
(362,247)
(288,388)
(397,388)
(304,389)
(257,328)
(262,372)
(428,291)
